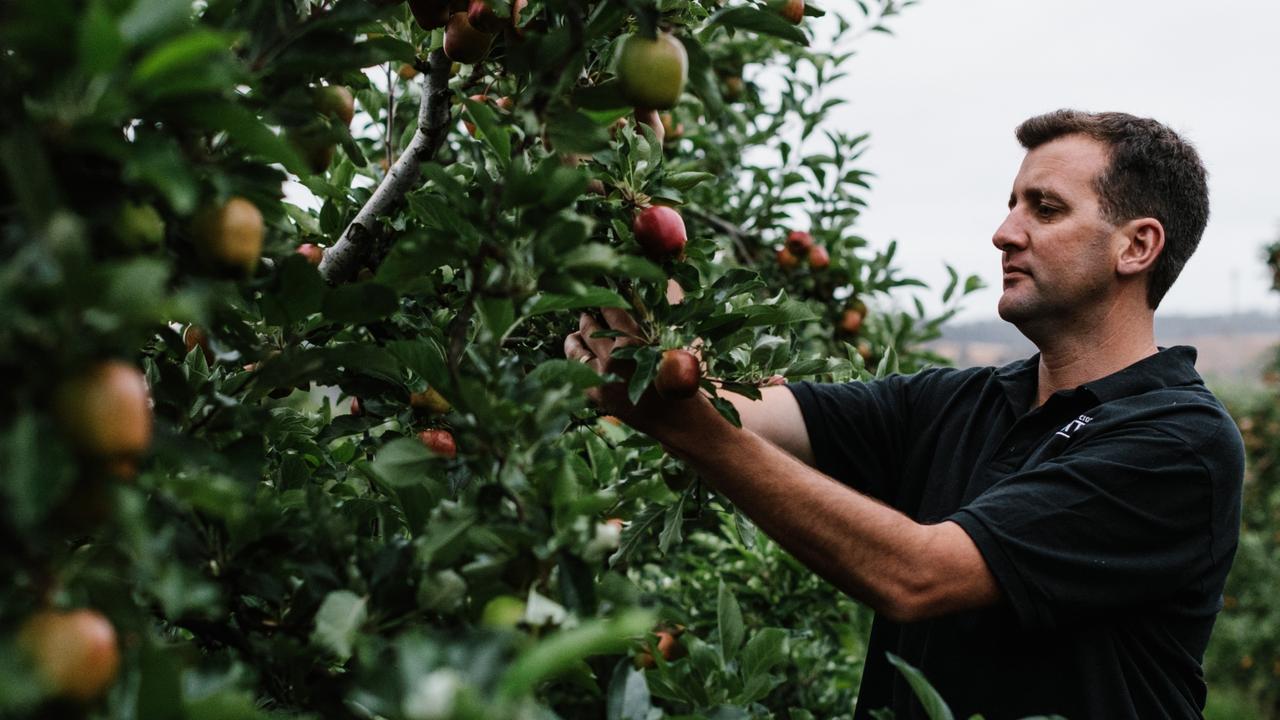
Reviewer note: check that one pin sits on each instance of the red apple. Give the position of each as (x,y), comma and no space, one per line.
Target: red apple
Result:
(195,336)
(678,375)
(793,11)
(106,411)
(312,252)
(852,316)
(653,70)
(483,18)
(440,442)
(660,232)
(470,126)
(356,408)
(799,242)
(674,130)
(463,43)
(818,257)
(74,652)
(407,71)
(787,261)
(732,88)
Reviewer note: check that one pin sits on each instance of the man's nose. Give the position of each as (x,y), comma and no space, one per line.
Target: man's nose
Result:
(1009,235)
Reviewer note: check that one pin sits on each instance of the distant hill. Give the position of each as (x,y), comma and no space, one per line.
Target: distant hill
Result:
(1232,348)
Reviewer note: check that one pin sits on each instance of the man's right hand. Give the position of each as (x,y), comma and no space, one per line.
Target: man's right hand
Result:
(776,416)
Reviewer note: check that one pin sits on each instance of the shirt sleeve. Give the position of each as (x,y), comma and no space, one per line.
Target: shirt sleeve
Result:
(1120,520)
(859,430)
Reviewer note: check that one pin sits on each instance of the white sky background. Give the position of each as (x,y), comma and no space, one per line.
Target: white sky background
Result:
(942,96)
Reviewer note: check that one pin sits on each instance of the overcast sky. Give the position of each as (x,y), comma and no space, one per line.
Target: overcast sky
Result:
(942,96)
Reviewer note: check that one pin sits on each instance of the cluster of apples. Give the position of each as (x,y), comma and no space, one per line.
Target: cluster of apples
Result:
(430,403)
(799,248)
(469,26)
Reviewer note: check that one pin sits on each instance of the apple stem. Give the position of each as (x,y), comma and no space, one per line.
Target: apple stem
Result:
(344,259)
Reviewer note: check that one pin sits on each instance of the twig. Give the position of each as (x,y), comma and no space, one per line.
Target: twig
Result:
(734,232)
(343,260)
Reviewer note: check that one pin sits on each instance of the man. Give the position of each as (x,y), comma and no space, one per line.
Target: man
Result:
(1051,536)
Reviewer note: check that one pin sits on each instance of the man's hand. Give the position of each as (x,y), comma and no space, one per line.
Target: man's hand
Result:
(668,421)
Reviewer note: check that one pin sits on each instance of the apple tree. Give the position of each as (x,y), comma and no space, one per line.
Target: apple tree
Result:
(288,428)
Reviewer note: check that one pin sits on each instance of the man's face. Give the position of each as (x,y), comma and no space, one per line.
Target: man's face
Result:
(1057,249)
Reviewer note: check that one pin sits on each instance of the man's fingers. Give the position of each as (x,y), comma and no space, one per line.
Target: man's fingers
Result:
(621,320)
(576,349)
(600,346)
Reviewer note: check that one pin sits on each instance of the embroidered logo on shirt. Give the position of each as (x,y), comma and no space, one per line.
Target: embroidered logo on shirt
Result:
(1073,426)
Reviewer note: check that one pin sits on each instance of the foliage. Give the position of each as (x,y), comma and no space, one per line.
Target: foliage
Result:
(276,554)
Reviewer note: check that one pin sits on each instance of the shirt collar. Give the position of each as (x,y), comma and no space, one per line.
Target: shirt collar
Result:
(1168,367)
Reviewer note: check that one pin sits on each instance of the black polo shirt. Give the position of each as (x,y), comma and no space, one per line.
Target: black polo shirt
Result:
(1109,517)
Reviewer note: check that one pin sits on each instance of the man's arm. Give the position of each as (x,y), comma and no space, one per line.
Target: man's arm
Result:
(900,568)
(775,417)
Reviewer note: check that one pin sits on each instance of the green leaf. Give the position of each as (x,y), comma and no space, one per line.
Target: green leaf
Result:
(763,652)
(686,180)
(179,55)
(405,462)
(338,621)
(746,17)
(933,704)
(559,372)
(628,694)
(646,367)
(149,19)
(493,133)
(244,129)
(572,132)
(592,297)
(728,624)
(565,649)
(101,46)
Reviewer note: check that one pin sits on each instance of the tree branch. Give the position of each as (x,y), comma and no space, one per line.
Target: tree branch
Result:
(734,232)
(344,258)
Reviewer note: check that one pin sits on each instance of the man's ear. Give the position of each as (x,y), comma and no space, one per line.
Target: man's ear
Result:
(1143,243)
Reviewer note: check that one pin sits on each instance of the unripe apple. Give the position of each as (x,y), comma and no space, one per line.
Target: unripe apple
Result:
(793,11)
(653,70)
(660,232)
(650,117)
(138,226)
(336,101)
(818,257)
(106,411)
(503,611)
(74,652)
(429,401)
(314,143)
(230,235)
(440,442)
(678,375)
(464,43)
(430,14)
(799,243)
(787,261)
(312,252)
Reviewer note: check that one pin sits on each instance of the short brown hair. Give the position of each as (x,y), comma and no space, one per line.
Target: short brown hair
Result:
(1152,173)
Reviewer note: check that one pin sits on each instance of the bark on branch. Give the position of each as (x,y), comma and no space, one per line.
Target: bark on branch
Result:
(343,260)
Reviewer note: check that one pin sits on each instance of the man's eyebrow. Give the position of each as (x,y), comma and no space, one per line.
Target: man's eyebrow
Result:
(1035,194)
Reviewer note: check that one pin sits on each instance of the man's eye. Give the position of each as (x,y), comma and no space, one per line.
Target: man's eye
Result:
(1045,210)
